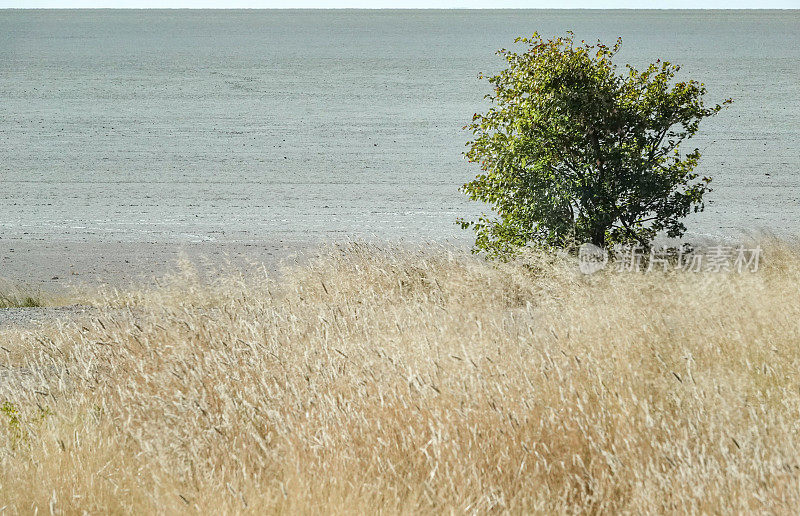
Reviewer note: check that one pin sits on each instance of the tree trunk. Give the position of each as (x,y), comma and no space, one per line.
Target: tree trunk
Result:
(599,236)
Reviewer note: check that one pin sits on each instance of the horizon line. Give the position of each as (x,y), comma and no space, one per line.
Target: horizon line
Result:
(79,8)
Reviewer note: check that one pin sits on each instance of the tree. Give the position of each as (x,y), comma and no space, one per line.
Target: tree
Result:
(574,151)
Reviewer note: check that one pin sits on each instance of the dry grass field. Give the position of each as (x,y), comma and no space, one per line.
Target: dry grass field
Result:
(375,379)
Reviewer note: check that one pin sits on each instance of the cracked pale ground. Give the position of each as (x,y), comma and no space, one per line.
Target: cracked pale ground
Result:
(409,381)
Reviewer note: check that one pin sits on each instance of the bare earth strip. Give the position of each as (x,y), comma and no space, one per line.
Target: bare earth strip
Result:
(55,266)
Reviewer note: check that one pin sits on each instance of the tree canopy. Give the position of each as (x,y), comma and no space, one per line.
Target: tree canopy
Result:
(574,150)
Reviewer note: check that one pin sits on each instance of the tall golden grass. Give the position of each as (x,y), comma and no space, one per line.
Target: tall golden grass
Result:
(407,380)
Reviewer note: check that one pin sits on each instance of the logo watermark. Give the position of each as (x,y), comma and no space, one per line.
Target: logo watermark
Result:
(591,258)
(715,259)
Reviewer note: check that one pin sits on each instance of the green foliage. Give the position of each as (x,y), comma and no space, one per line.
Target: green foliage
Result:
(574,151)
(10,411)
(19,301)
(17,432)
